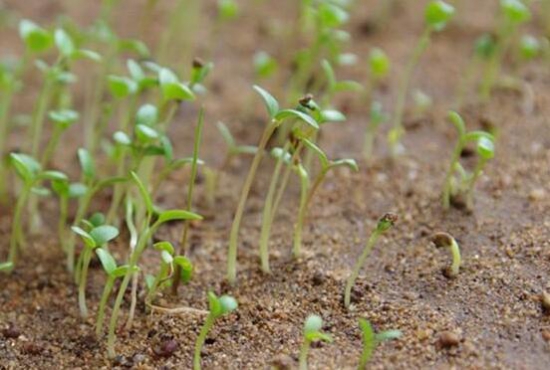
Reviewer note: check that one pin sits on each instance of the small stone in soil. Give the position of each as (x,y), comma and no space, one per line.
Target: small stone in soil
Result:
(166,348)
(282,362)
(448,339)
(32,348)
(545,300)
(546,335)
(318,279)
(11,332)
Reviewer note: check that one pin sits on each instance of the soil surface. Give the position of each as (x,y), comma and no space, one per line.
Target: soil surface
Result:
(490,316)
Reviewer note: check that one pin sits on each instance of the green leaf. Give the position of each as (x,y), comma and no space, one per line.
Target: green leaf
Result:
(53,176)
(86,164)
(379,63)
(529,47)
(175,214)
(64,117)
(6,266)
(104,234)
(166,257)
(136,72)
(458,122)
(146,133)
(144,193)
(135,46)
(40,191)
(61,187)
(348,85)
(331,115)
(123,270)
(485,148)
(77,190)
(329,74)
(350,163)
(476,135)
(97,219)
(515,11)
(122,138)
(64,42)
(281,154)
(186,268)
(369,342)
(121,87)
(164,246)
(292,113)
(147,115)
(214,305)
(388,335)
(270,102)
(264,65)
(228,304)
(36,38)
(228,9)
(86,54)
(107,260)
(318,152)
(226,134)
(171,88)
(332,16)
(87,238)
(438,14)
(26,166)
(313,324)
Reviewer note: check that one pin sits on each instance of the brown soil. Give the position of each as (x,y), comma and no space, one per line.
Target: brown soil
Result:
(493,306)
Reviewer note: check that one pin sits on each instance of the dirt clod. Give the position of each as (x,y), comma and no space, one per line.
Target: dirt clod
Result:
(448,339)
(546,335)
(545,301)
(282,362)
(11,332)
(166,348)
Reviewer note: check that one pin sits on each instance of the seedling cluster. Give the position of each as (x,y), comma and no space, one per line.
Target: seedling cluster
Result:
(132,97)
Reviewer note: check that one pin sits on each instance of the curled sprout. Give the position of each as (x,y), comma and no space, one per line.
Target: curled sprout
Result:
(445,240)
(384,224)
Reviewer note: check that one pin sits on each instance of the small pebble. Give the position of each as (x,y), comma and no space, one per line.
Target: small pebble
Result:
(545,300)
(537,195)
(448,339)
(166,348)
(546,335)
(11,333)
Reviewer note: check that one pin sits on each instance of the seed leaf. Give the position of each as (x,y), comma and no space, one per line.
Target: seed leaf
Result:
(173,215)
(107,260)
(186,268)
(86,164)
(292,113)
(36,38)
(270,102)
(64,42)
(144,193)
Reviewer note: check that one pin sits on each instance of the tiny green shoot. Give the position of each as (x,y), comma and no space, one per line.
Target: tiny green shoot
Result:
(383,225)
(312,333)
(446,240)
(218,307)
(371,340)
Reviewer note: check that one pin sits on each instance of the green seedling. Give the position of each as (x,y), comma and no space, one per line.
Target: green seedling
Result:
(422,103)
(6,266)
(484,48)
(31,174)
(36,38)
(9,85)
(192,179)
(436,16)
(227,10)
(529,48)
(312,333)
(371,340)
(233,149)
(149,229)
(383,225)
(445,240)
(376,119)
(217,307)
(454,187)
(333,85)
(169,270)
(265,66)
(276,118)
(66,190)
(513,13)
(379,69)
(63,119)
(97,237)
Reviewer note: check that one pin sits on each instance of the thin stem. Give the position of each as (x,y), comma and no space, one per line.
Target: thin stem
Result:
(82,283)
(80,213)
(101,311)
(455,250)
(357,268)
(397,130)
(304,182)
(52,145)
(17,240)
(160,277)
(4,132)
(304,351)
(63,210)
(449,177)
(35,133)
(200,341)
(475,176)
(233,238)
(267,212)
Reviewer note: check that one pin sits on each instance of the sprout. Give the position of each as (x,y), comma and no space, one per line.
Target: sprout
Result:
(312,333)
(371,340)
(529,47)
(36,38)
(218,307)
(264,65)
(227,10)
(376,118)
(96,237)
(6,266)
(171,266)
(277,118)
(172,88)
(383,225)
(445,240)
(31,174)
(513,14)
(437,15)
(63,119)
(465,183)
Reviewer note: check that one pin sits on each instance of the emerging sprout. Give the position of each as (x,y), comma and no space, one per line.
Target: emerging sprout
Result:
(445,240)
(96,237)
(464,185)
(218,307)
(312,333)
(371,340)
(168,268)
(383,225)
(437,15)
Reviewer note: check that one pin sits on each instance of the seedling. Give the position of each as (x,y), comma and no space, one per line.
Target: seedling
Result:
(31,174)
(333,85)
(63,120)
(383,225)
(445,240)
(436,16)
(218,307)
(529,48)
(97,237)
(66,190)
(6,266)
(8,86)
(379,68)
(513,13)
(264,66)
(453,187)
(276,118)
(377,117)
(233,149)
(371,340)
(169,269)
(312,333)
(149,230)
